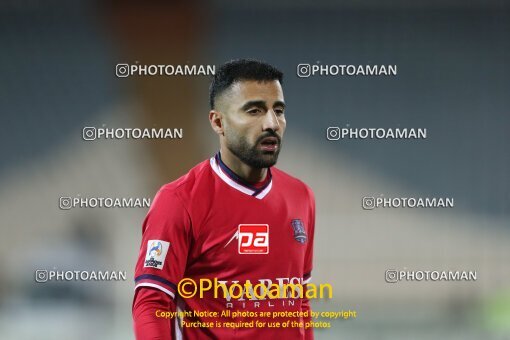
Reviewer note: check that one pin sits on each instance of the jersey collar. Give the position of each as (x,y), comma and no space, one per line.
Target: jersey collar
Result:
(236,182)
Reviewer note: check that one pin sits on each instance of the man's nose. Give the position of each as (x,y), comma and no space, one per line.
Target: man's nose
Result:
(271,121)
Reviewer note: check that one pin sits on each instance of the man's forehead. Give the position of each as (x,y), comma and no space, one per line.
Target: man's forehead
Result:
(257,90)
(248,86)
(242,91)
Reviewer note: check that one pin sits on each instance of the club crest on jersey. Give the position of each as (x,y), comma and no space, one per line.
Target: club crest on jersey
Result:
(299,230)
(156,253)
(251,239)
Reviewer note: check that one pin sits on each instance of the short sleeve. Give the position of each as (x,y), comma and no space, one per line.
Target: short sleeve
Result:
(166,237)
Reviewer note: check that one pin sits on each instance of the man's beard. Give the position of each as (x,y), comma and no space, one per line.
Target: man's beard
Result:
(251,155)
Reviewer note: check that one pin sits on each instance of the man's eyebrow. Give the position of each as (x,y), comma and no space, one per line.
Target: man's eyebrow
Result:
(260,104)
(279,103)
(252,103)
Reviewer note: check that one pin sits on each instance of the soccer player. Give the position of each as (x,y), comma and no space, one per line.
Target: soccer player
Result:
(235,218)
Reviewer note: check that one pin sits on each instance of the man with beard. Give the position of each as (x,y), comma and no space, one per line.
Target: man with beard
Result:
(233,218)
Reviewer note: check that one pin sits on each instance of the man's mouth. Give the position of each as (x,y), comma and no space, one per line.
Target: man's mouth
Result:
(269,144)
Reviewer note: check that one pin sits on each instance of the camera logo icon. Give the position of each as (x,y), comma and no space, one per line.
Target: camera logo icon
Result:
(89,133)
(368,203)
(333,133)
(391,276)
(41,275)
(122,70)
(304,70)
(65,203)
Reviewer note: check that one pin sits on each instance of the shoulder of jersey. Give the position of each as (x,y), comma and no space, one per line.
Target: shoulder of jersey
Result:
(186,184)
(289,180)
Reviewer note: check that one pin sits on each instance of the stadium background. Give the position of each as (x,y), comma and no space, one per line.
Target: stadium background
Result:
(57,75)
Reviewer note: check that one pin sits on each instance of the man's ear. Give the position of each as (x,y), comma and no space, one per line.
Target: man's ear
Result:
(215,118)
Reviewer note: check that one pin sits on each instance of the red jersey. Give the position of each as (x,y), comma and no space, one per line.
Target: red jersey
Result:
(211,224)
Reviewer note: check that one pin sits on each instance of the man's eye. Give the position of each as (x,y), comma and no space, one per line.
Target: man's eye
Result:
(279,111)
(254,111)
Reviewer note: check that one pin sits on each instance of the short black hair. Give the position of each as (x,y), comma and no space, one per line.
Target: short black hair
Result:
(241,69)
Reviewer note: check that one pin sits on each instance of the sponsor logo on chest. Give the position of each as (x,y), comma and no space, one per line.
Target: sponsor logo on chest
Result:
(251,239)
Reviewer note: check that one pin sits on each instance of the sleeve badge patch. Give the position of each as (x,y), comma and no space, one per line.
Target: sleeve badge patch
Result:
(156,253)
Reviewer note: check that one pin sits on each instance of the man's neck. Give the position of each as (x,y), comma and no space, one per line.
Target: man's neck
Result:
(240,168)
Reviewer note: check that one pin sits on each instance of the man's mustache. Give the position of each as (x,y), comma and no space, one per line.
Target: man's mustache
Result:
(269,134)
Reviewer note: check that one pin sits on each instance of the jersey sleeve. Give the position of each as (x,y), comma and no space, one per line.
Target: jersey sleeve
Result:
(146,324)
(308,265)
(166,237)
